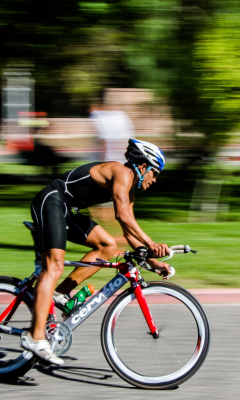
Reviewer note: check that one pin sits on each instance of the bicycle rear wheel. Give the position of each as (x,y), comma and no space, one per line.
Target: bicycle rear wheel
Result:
(150,363)
(14,362)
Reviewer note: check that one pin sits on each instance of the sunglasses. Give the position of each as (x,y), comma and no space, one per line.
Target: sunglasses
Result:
(155,172)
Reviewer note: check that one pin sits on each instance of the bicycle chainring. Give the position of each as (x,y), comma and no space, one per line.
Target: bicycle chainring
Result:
(59,337)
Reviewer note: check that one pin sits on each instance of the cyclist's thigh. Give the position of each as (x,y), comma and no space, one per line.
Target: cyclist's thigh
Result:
(79,228)
(49,214)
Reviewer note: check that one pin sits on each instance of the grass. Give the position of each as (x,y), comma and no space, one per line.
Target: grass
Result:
(215,265)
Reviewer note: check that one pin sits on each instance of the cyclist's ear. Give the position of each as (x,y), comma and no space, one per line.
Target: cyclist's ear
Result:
(142,168)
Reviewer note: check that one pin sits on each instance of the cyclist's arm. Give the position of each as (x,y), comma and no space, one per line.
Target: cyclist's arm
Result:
(123,209)
(162,268)
(123,205)
(132,241)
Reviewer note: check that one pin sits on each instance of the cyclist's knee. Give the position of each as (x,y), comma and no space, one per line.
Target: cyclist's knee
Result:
(54,267)
(108,246)
(57,268)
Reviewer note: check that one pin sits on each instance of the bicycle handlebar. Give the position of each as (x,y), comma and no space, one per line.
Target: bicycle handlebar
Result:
(182,249)
(142,254)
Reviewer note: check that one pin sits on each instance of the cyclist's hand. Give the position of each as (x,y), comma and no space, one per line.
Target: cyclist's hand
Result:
(160,267)
(159,250)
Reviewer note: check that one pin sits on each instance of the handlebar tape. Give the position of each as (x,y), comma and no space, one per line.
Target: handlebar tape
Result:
(178,247)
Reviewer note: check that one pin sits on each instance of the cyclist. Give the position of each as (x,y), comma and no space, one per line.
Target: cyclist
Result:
(54,212)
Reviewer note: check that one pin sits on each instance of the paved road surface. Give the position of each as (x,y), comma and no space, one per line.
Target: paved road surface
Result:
(86,374)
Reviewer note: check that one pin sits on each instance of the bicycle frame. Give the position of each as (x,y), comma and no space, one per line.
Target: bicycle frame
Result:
(191,321)
(16,302)
(127,272)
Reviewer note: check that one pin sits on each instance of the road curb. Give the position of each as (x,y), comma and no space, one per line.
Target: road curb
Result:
(217,296)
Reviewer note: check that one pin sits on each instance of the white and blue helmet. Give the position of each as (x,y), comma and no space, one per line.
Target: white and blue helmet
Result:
(139,152)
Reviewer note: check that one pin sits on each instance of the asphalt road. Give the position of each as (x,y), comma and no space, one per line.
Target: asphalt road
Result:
(86,374)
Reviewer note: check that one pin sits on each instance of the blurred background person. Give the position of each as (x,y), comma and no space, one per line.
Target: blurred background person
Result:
(114,128)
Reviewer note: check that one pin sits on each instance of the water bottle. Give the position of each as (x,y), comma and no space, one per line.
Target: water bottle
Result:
(79,298)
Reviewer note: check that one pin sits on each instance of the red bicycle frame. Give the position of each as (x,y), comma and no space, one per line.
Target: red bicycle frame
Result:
(126,269)
(133,276)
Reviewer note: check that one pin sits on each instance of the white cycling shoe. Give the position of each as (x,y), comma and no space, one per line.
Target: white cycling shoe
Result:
(40,348)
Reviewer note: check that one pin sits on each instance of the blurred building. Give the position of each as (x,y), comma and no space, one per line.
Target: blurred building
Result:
(17,97)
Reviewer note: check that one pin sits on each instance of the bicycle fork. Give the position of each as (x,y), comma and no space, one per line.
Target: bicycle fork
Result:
(145,310)
(136,281)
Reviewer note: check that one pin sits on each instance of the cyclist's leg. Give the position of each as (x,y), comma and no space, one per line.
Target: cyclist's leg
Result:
(103,246)
(49,215)
(52,261)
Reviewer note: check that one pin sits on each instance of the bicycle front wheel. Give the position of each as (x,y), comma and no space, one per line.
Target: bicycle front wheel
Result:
(14,362)
(151,363)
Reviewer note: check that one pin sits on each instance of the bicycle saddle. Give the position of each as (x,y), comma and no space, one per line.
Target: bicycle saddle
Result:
(30,225)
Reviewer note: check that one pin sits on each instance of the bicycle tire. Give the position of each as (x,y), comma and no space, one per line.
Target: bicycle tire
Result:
(155,363)
(11,367)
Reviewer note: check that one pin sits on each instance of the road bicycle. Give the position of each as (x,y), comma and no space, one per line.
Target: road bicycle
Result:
(154,335)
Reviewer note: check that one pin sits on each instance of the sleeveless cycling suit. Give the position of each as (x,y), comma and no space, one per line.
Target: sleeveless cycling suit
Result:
(54,208)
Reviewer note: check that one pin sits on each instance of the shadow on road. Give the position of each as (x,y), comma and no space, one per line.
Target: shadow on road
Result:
(92,376)
(22,381)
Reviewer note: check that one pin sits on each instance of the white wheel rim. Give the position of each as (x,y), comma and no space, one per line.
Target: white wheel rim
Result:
(159,379)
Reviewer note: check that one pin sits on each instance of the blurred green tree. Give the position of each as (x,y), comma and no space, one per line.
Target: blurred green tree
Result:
(217,62)
(79,47)
(205,88)
(185,50)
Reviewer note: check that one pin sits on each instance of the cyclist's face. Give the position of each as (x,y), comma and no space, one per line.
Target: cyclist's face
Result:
(149,179)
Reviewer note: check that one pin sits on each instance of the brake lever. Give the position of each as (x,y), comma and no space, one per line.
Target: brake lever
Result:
(146,266)
(169,255)
(172,272)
